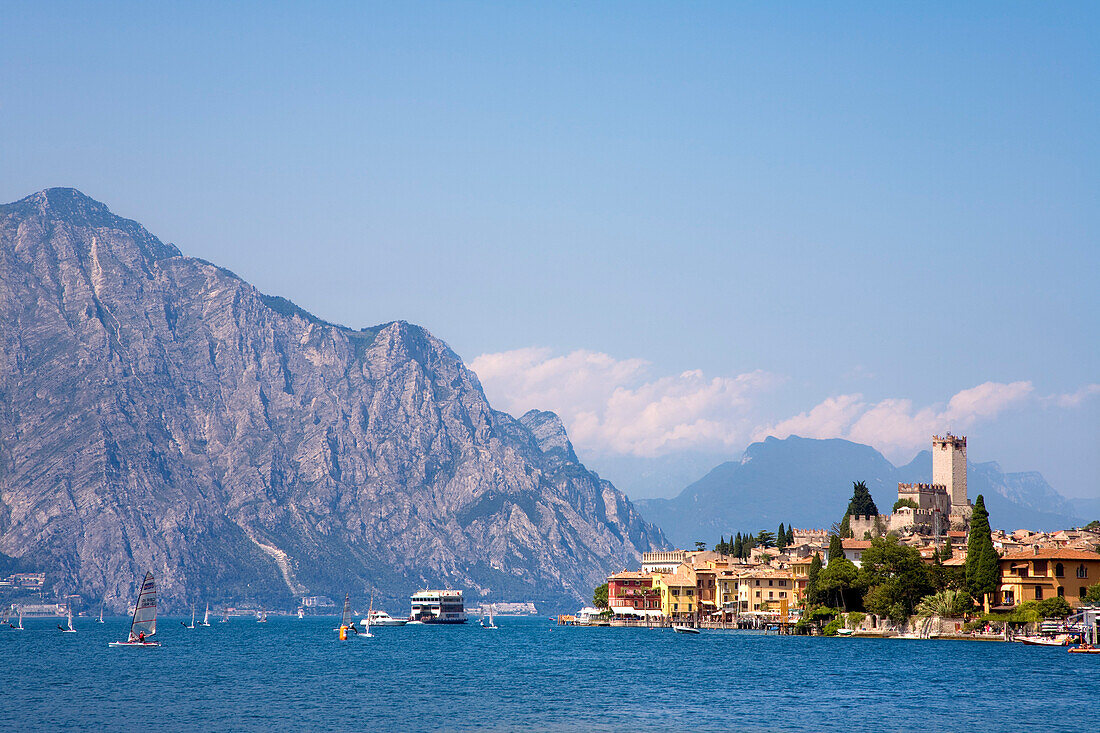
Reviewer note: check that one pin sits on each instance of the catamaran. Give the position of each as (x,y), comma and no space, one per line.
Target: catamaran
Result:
(144,624)
(206,616)
(192,620)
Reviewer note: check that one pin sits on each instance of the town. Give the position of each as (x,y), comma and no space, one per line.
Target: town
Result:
(932,567)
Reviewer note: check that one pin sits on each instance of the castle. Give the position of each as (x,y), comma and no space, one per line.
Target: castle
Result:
(930,509)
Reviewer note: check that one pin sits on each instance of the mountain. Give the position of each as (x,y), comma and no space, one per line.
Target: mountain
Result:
(808,482)
(158,412)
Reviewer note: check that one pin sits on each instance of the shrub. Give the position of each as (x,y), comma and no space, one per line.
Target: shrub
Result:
(832,627)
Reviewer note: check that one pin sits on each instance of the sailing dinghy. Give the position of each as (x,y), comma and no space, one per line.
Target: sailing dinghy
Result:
(192,620)
(206,616)
(100,613)
(144,623)
(69,629)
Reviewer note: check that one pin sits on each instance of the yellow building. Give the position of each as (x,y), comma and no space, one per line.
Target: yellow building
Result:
(678,599)
(761,590)
(1047,572)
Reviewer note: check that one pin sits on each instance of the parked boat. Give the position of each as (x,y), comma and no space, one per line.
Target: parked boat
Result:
(1059,640)
(144,623)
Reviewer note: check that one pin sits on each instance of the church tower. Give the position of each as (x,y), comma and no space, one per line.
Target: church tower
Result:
(949,470)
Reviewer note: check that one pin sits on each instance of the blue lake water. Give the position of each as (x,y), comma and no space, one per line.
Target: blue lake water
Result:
(292,674)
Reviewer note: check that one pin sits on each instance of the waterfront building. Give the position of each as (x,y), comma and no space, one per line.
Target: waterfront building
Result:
(1047,572)
(665,561)
(677,591)
(854,549)
(631,591)
(761,590)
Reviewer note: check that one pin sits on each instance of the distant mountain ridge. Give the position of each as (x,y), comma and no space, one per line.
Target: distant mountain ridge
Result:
(158,412)
(808,482)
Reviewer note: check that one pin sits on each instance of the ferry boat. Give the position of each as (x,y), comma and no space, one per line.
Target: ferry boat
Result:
(438,607)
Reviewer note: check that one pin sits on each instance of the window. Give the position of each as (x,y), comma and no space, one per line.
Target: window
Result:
(1061,592)
(675,606)
(757,594)
(1009,598)
(1059,571)
(770,583)
(1038,592)
(1040,567)
(771,595)
(782,584)
(1082,571)
(782,594)
(1083,590)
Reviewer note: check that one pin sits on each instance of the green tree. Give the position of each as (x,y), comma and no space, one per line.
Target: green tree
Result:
(765,538)
(790,535)
(904,502)
(781,537)
(983,573)
(840,584)
(1092,595)
(947,551)
(599,596)
(895,577)
(737,546)
(700,546)
(813,595)
(836,548)
(1056,607)
(946,603)
(1093,525)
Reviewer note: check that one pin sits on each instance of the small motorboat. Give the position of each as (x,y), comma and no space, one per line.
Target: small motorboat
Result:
(381,618)
(844,632)
(1059,640)
(685,629)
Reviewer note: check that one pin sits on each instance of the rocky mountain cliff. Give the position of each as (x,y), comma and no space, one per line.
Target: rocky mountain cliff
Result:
(158,412)
(808,482)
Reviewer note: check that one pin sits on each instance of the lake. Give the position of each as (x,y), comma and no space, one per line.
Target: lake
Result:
(292,674)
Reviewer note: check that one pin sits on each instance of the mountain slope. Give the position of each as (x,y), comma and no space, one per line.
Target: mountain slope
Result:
(157,412)
(808,482)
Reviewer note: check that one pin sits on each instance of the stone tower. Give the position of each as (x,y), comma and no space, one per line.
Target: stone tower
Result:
(949,470)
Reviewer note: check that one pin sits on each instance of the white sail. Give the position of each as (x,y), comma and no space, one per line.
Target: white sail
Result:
(70,620)
(145,613)
(345,619)
(100,613)
(206,616)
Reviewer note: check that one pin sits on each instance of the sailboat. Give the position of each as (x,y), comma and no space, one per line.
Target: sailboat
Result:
(489,625)
(100,620)
(345,617)
(263,616)
(69,629)
(20,626)
(301,612)
(366,626)
(206,616)
(225,616)
(192,620)
(7,617)
(144,624)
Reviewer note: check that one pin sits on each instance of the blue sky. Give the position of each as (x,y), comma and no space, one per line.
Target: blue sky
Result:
(683,226)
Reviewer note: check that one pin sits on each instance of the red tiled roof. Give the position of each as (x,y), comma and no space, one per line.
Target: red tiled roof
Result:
(1052,553)
(856,544)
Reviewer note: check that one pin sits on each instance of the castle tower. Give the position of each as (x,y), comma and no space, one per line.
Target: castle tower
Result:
(949,470)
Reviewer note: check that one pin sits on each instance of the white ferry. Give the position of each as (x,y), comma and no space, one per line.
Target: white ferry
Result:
(438,607)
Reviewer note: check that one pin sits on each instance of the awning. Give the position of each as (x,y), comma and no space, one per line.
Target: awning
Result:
(637,612)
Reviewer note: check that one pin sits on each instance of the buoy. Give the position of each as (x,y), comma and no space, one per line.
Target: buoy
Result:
(343,633)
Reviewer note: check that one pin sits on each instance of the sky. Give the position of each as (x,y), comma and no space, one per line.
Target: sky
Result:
(682,226)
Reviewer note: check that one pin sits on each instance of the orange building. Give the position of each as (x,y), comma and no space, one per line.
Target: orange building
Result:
(1047,572)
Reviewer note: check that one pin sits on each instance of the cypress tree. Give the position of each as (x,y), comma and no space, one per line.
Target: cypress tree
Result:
(737,546)
(982,571)
(790,535)
(781,537)
(836,548)
(812,593)
(948,551)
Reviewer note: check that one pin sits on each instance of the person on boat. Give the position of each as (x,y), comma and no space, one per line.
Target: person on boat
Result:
(59,626)
(352,628)
(141,637)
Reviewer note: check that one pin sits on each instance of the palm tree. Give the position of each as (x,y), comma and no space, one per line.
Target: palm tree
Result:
(946,603)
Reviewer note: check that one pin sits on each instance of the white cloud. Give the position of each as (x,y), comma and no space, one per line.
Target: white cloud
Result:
(894,426)
(617,406)
(1074,399)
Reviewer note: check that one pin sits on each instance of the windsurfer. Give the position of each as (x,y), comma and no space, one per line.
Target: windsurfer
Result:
(141,637)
